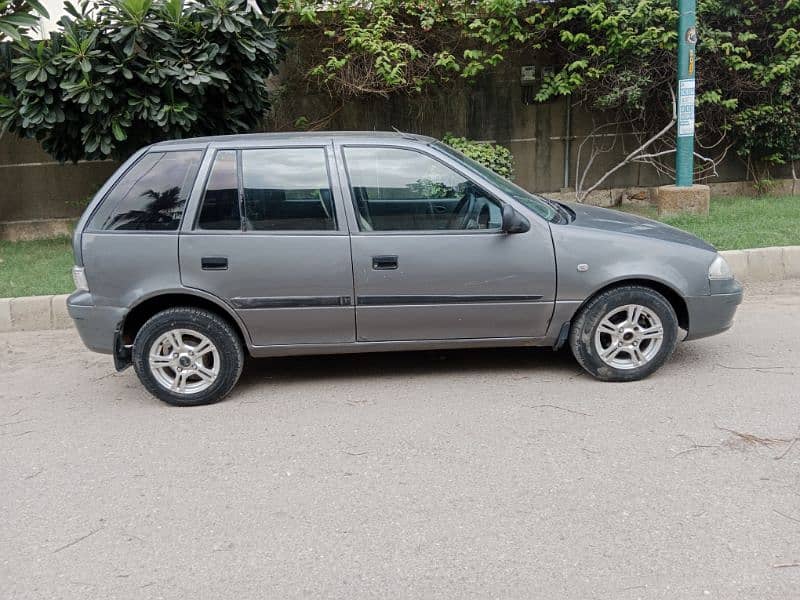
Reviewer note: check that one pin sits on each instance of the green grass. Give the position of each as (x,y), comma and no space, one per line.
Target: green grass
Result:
(43,267)
(35,268)
(735,223)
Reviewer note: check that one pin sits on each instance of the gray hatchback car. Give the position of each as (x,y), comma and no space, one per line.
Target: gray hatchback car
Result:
(198,251)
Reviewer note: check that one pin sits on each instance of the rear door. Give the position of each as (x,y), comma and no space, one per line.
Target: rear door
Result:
(429,259)
(269,238)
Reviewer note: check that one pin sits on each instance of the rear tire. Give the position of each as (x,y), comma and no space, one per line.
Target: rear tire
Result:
(188,356)
(624,334)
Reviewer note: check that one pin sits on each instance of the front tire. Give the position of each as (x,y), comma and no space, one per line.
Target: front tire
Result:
(624,334)
(188,356)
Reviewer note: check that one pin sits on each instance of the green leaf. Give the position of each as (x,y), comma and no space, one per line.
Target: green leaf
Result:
(7,29)
(119,133)
(38,8)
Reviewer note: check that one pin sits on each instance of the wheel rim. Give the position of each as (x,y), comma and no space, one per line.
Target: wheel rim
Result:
(184,361)
(629,337)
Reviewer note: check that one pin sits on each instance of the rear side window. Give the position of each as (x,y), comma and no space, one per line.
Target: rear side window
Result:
(287,189)
(221,199)
(151,195)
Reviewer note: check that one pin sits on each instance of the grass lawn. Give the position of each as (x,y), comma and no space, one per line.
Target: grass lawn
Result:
(35,268)
(735,223)
(43,267)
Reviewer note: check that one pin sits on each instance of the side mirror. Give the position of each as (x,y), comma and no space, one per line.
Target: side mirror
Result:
(513,222)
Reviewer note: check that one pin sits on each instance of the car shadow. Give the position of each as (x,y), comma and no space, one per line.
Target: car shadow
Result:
(407,363)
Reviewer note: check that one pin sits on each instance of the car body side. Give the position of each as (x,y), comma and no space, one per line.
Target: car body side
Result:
(133,273)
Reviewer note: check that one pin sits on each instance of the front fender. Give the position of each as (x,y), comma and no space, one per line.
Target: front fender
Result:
(608,257)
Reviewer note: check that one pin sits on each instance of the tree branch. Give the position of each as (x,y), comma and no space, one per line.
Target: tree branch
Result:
(644,153)
(631,156)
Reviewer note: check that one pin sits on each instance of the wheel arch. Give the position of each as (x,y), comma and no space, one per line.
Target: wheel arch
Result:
(148,306)
(673,296)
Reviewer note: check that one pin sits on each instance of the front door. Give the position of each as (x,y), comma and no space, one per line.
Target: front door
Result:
(429,259)
(268,238)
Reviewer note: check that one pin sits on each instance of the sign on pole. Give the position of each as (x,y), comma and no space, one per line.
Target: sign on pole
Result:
(687,42)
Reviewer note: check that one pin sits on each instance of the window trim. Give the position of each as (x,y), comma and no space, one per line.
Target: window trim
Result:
(239,190)
(340,223)
(358,231)
(190,185)
(196,219)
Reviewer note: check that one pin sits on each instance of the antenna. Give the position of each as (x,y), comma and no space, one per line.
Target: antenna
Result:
(403,134)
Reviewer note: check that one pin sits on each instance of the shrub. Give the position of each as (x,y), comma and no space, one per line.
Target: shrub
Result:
(498,158)
(121,74)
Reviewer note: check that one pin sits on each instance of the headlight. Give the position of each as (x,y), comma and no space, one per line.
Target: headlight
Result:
(79,277)
(720,269)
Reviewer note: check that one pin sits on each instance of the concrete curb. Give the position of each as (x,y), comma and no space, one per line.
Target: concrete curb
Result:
(36,313)
(764,264)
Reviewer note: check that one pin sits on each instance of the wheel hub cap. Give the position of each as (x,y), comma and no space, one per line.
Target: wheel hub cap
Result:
(184,361)
(629,337)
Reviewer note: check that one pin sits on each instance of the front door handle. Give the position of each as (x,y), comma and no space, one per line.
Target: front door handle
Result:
(214,263)
(384,263)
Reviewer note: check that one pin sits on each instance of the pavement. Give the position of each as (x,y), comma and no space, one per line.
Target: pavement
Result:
(469,474)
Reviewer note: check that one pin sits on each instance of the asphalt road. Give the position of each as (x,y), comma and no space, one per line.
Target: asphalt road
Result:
(481,474)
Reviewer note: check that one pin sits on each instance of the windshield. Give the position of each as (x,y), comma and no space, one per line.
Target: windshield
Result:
(538,205)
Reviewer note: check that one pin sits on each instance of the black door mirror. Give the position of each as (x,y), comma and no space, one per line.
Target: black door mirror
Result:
(513,222)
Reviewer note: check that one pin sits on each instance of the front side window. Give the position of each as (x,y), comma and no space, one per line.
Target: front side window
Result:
(220,209)
(395,189)
(536,204)
(151,195)
(287,189)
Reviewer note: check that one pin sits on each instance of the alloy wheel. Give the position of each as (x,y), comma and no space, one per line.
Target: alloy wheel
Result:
(629,337)
(184,361)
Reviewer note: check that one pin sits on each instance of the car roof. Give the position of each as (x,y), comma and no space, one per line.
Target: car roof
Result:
(295,136)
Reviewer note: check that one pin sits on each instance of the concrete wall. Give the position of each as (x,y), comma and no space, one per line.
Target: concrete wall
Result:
(33,186)
(492,110)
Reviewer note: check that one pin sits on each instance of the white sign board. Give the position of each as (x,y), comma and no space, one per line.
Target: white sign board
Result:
(528,74)
(685,107)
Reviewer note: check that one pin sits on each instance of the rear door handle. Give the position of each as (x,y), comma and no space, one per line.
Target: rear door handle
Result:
(214,263)
(384,263)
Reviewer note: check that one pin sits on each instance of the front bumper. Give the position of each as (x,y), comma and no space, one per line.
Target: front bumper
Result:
(95,324)
(713,314)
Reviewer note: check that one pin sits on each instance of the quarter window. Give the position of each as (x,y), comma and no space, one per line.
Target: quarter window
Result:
(151,195)
(287,189)
(403,190)
(221,198)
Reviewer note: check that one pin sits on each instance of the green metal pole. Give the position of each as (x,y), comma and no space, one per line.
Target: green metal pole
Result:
(687,40)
